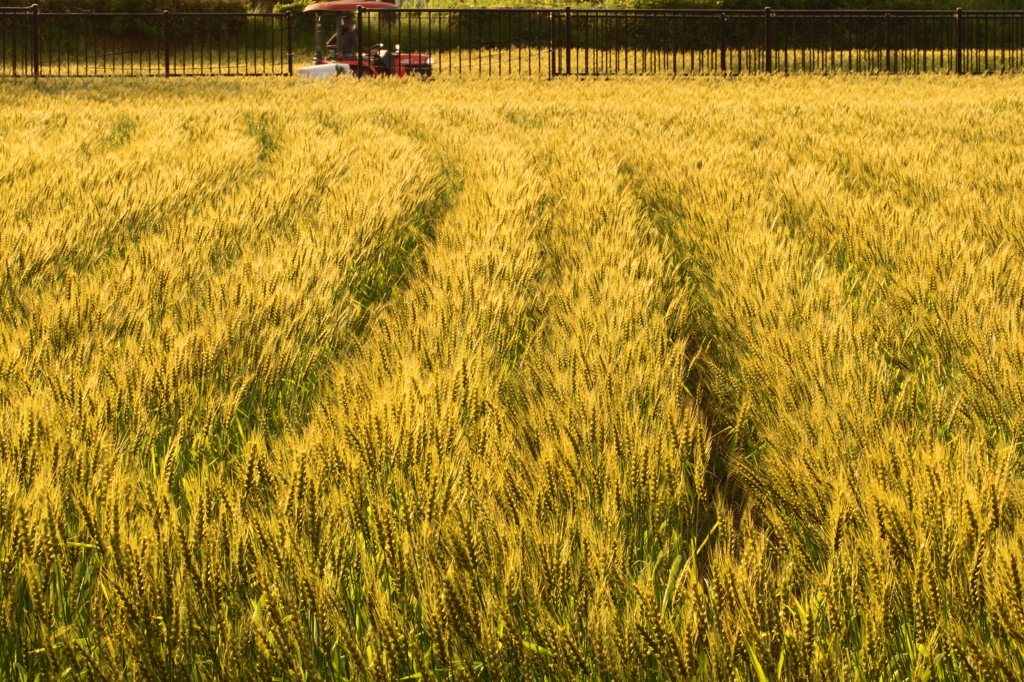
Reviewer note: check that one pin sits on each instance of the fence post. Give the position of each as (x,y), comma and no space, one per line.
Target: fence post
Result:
(167,44)
(959,41)
(359,41)
(568,42)
(291,55)
(722,41)
(35,41)
(888,59)
(768,39)
(551,45)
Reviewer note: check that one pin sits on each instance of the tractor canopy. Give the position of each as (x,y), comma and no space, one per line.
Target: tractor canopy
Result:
(348,6)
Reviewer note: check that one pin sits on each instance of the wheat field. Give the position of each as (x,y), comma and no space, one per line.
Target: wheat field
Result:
(605,380)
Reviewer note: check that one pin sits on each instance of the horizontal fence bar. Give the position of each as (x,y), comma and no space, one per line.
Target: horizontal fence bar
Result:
(522,42)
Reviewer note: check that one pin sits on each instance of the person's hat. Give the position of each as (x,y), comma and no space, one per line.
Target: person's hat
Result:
(349,21)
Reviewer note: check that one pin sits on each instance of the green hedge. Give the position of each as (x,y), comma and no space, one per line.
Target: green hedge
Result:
(293,7)
(826,4)
(296,7)
(137,5)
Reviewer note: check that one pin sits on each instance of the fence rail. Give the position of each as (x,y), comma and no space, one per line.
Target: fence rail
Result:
(529,42)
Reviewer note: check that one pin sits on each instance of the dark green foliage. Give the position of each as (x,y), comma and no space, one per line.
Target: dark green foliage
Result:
(830,4)
(137,5)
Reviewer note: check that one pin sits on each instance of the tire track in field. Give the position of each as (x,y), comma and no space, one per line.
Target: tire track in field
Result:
(616,485)
(522,401)
(838,303)
(218,338)
(413,442)
(815,266)
(222,323)
(767,311)
(611,367)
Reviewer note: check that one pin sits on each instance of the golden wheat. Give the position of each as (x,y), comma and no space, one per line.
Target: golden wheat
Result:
(468,379)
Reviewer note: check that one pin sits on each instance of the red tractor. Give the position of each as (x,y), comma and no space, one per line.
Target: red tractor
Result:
(375,60)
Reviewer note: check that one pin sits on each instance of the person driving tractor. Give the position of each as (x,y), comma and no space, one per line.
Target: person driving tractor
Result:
(346,46)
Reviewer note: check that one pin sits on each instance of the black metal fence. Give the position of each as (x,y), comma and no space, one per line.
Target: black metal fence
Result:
(34,43)
(528,42)
(18,41)
(699,42)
